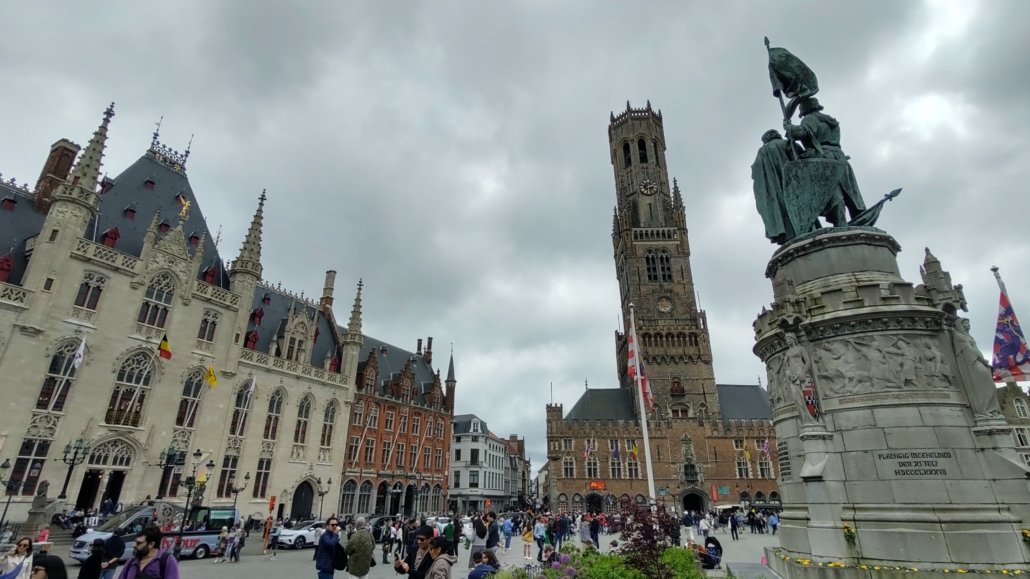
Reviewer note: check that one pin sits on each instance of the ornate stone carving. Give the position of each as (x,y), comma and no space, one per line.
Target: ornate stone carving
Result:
(181,439)
(797,377)
(235,445)
(42,426)
(267,448)
(298,452)
(325,455)
(881,363)
(975,372)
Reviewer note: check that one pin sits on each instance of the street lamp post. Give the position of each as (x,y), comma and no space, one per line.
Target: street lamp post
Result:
(237,490)
(74,455)
(418,494)
(322,494)
(8,484)
(190,483)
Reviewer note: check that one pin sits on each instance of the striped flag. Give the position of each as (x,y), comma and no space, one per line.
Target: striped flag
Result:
(635,451)
(633,362)
(590,446)
(165,349)
(766,449)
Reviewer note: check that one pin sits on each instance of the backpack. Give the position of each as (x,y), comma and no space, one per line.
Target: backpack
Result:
(340,558)
(162,563)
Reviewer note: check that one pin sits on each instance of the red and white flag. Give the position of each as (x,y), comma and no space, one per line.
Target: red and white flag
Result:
(635,361)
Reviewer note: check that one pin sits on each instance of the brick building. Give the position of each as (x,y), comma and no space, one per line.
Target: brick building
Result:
(710,443)
(400,432)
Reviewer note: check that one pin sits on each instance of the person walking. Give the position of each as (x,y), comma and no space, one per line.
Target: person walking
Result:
(326,547)
(442,560)
(148,559)
(273,539)
(734,527)
(241,538)
(527,543)
(774,521)
(493,532)
(418,562)
(448,533)
(91,566)
(318,535)
(479,538)
(539,530)
(704,527)
(360,550)
(506,527)
(20,557)
(559,532)
(114,548)
(595,531)
(584,531)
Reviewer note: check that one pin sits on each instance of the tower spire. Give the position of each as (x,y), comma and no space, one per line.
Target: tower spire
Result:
(354,325)
(450,367)
(87,171)
(250,254)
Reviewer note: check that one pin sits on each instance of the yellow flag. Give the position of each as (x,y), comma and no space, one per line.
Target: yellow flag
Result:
(747,455)
(211,379)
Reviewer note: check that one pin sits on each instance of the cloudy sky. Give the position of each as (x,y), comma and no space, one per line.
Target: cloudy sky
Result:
(454,154)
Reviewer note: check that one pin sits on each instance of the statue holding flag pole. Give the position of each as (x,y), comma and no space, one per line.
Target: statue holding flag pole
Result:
(807,176)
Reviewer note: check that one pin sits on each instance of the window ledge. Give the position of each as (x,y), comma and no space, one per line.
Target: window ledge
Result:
(121,427)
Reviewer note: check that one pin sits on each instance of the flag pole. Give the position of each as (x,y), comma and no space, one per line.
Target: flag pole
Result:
(643,411)
(997,276)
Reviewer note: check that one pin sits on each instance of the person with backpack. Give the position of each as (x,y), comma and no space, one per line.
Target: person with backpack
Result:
(325,557)
(360,551)
(148,560)
(479,535)
(418,562)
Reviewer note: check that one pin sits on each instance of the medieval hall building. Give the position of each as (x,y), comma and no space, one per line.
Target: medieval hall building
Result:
(711,444)
(124,333)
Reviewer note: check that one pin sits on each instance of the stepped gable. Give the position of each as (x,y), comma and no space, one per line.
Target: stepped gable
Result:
(276,313)
(605,404)
(743,402)
(391,364)
(17,224)
(130,189)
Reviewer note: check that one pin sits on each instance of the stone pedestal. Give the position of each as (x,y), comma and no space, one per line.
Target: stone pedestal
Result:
(880,427)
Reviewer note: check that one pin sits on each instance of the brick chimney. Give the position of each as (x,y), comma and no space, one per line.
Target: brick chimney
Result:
(428,354)
(55,171)
(418,350)
(327,291)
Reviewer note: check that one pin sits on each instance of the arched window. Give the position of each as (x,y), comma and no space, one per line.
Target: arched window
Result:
(350,490)
(702,411)
(563,503)
(423,498)
(692,339)
(275,411)
(645,339)
(681,339)
(59,378)
(365,497)
(114,453)
(627,159)
(743,465)
(1021,410)
(359,414)
(765,468)
(774,497)
(191,390)
(665,265)
(89,290)
(642,150)
(373,418)
(651,265)
(615,468)
(568,467)
(207,326)
(132,384)
(300,432)
(157,301)
(658,340)
(437,505)
(657,156)
(240,409)
(681,411)
(577,502)
(592,467)
(328,421)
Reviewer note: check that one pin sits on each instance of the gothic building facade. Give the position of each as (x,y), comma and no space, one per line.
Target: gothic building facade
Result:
(122,329)
(710,443)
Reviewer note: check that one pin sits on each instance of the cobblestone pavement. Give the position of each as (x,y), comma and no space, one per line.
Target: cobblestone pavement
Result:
(288,563)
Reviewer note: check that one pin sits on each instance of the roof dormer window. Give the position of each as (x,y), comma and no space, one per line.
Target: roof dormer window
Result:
(267,299)
(164,227)
(149,184)
(111,236)
(130,212)
(210,274)
(10,203)
(194,239)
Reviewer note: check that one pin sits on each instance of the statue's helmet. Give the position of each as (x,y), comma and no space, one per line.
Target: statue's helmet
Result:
(770,135)
(810,105)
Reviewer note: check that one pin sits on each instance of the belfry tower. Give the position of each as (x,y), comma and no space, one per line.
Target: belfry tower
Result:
(652,260)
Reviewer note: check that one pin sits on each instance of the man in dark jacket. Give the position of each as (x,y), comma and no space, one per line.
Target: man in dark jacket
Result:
(416,565)
(114,548)
(493,531)
(595,531)
(326,547)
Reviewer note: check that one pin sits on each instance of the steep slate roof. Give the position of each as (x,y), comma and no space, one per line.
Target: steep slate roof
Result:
(462,424)
(130,189)
(275,314)
(392,364)
(743,401)
(604,404)
(16,226)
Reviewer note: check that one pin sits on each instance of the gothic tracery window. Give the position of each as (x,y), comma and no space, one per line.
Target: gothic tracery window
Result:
(191,390)
(207,326)
(89,290)
(275,410)
(665,265)
(651,265)
(113,453)
(240,410)
(627,159)
(157,301)
(328,421)
(132,385)
(300,431)
(59,378)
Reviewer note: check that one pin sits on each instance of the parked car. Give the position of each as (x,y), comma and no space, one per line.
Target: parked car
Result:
(198,541)
(300,536)
(375,526)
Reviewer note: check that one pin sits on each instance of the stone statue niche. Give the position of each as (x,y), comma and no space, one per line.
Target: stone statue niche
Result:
(804,174)
(893,449)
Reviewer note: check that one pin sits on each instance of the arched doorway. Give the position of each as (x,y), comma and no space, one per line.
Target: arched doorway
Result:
(694,502)
(108,466)
(381,493)
(395,498)
(303,498)
(409,501)
(595,504)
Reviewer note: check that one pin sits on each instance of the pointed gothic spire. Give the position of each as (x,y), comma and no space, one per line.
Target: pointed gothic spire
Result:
(250,254)
(676,196)
(354,325)
(450,367)
(615,220)
(87,171)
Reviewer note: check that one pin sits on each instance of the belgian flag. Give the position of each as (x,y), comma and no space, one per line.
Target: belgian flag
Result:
(165,349)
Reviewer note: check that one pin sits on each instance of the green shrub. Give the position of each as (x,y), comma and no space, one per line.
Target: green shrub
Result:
(608,567)
(681,561)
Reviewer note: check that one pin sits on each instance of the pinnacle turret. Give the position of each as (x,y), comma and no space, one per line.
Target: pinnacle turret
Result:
(450,369)
(86,172)
(677,197)
(249,259)
(354,325)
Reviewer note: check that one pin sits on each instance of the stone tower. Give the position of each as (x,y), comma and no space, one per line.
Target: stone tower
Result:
(652,260)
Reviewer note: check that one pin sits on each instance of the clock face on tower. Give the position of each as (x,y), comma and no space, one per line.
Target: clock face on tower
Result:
(664,305)
(648,187)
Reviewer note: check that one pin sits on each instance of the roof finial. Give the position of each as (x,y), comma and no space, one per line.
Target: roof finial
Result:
(586,384)
(189,145)
(157,131)
(354,325)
